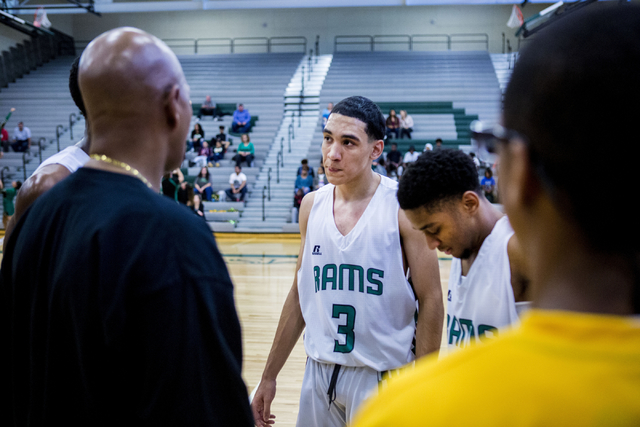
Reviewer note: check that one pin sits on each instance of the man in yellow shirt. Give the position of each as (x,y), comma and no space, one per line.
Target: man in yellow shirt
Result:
(575,359)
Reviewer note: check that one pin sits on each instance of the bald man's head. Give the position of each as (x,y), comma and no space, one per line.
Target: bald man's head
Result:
(131,81)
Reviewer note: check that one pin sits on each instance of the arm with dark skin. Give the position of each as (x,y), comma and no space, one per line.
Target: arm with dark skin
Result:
(34,187)
(425,276)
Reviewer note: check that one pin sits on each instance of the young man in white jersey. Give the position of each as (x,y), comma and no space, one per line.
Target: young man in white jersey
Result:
(442,197)
(55,168)
(351,290)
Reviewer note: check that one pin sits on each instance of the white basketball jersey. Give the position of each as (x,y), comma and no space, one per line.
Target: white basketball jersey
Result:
(356,302)
(72,158)
(482,303)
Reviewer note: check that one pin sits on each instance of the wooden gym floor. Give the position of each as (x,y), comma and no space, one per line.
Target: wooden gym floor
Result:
(262,267)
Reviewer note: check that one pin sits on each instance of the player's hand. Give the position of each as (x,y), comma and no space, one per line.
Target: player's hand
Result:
(261,403)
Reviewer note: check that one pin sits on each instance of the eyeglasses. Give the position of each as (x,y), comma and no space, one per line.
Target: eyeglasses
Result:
(488,137)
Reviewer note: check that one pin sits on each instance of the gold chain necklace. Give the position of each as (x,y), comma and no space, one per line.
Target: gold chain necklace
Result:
(123,165)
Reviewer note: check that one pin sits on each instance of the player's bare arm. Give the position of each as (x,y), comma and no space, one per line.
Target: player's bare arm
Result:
(34,187)
(425,275)
(519,276)
(290,327)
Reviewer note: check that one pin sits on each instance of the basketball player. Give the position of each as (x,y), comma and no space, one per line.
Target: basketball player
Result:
(55,168)
(441,196)
(350,290)
(108,317)
(575,359)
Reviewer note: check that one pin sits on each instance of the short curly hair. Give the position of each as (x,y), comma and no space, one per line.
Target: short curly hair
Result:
(436,178)
(365,110)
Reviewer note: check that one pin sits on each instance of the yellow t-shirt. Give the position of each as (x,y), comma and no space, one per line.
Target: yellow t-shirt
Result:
(557,369)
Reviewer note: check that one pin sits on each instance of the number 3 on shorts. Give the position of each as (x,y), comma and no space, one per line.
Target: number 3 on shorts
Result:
(347,329)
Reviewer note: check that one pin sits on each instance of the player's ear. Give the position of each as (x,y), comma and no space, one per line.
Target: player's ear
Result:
(172,105)
(471,202)
(378,148)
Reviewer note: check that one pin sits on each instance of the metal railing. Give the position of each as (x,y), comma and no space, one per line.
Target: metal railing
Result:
(230,45)
(269,182)
(72,121)
(58,133)
(408,42)
(24,164)
(40,148)
(290,134)
(263,197)
(6,168)
(279,158)
(317,47)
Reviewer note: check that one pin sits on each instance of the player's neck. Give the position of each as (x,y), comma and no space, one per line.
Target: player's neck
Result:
(488,216)
(364,187)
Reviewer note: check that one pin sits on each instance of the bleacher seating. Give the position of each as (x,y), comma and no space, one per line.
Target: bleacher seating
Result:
(442,91)
(256,80)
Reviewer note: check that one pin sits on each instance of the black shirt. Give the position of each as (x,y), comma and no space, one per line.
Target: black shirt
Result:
(107,317)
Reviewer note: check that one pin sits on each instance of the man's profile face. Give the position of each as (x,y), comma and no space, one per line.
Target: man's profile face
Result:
(444,228)
(346,150)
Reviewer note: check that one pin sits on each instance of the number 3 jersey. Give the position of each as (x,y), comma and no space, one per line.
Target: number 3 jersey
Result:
(358,307)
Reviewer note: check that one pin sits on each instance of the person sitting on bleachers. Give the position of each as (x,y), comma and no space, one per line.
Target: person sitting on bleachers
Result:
(238,182)
(204,155)
(198,206)
(321,179)
(171,184)
(217,154)
(326,113)
(411,155)
(394,161)
(304,181)
(197,136)
(222,137)
(185,193)
(8,195)
(241,120)
(428,147)
(303,163)
(297,200)
(208,109)
(393,125)
(246,151)
(202,184)
(438,144)
(5,134)
(21,138)
(406,125)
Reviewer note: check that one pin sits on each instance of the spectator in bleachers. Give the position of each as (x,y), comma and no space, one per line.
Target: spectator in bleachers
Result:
(410,156)
(204,155)
(241,120)
(303,163)
(5,134)
(202,184)
(246,152)
(222,137)
(238,182)
(185,193)
(171,183)
(217,154)
(428,147)
(488,184)
(438,144)
(475,159)
(198,206)
(378,165)
(406,125)
(297,200)
(321,179)
(207,108)
(8,195)
(394,161)
(197,136)
(393,125)
(325,114)
(21,138)
(304,181)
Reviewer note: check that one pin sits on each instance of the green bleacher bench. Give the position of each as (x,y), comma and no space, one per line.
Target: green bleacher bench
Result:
(403,144)
(223,109)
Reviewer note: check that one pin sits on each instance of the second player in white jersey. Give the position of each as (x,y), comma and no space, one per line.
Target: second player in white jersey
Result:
(72,158)
(482,301)
(358,307)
